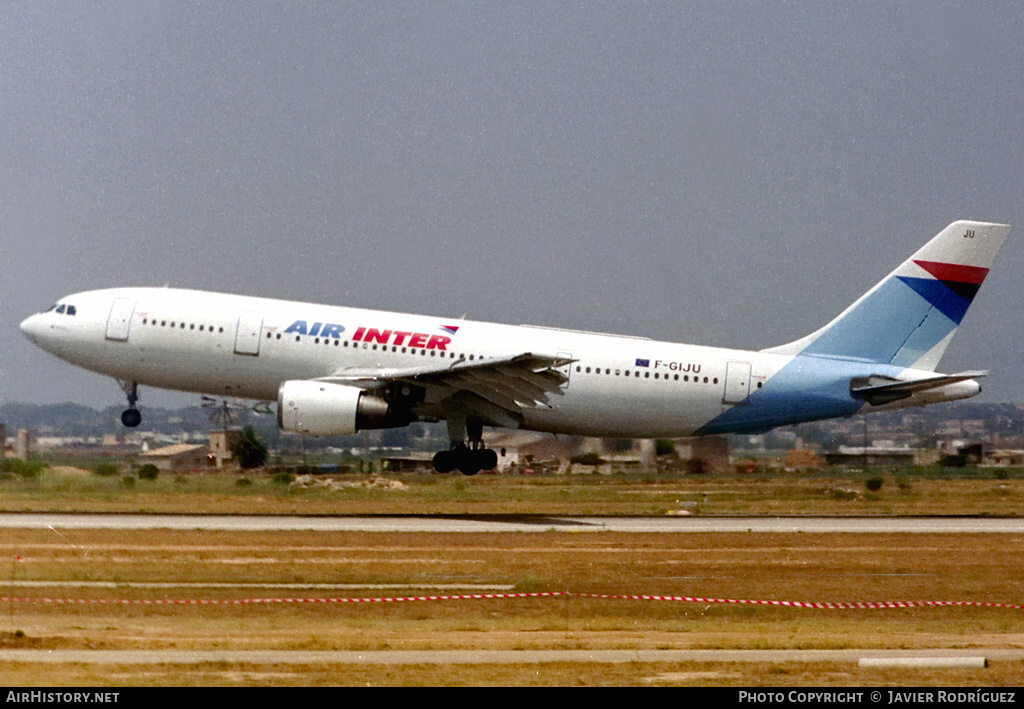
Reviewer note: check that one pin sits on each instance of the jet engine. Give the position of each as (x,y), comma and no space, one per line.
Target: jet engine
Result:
(326,409)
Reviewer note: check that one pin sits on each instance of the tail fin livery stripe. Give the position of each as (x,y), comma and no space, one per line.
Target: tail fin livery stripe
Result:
(954,273)
(952,299)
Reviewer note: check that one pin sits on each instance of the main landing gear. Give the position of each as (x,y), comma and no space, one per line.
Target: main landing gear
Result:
(469,461)
(131,417)
(469,458)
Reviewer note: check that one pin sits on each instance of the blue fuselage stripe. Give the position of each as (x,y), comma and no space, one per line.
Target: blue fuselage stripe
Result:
(806,389)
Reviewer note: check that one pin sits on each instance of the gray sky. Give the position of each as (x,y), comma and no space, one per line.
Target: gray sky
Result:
(723,173)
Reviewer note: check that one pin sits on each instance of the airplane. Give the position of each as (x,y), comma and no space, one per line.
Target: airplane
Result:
(338,370)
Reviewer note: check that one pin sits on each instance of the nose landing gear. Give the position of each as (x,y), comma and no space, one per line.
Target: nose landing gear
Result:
(131,417)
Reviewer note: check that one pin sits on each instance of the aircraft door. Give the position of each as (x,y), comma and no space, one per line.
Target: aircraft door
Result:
(247,336)
(120,319)
(737,383)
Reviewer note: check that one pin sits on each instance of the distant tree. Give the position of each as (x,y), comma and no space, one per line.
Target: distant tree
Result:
(248,450)
(148,472)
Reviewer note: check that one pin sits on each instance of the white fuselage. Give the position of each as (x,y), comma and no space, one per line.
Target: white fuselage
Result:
(239,346)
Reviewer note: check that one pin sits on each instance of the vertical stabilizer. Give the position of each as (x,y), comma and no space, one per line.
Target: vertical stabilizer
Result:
(910,316)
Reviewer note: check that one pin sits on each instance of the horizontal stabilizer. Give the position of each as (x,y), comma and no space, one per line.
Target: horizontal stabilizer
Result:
(883,390)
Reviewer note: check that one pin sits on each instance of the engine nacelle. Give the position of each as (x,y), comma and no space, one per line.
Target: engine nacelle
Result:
(325,409)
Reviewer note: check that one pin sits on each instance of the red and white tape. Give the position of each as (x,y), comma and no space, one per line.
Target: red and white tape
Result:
(475,596)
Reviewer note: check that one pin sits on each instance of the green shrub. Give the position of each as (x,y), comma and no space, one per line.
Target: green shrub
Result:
(283,478)
(23,468)
(128,482)
(664,446)
(874,484)
(148,472)
(105,469)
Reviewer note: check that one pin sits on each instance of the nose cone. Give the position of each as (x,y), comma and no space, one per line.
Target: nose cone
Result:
(30,326)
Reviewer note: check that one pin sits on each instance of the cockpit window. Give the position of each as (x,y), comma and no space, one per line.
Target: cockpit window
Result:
(50,308)
(72,310)
(60,308)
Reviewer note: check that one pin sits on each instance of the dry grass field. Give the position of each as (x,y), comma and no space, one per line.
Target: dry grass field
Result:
(970,492)
(172,565)
(136,566)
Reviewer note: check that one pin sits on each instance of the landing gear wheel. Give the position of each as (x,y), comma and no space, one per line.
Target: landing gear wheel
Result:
(488,459)
(130,417)
(469,463)
(444,461)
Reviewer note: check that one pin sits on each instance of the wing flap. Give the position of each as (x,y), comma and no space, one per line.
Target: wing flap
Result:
(495,389)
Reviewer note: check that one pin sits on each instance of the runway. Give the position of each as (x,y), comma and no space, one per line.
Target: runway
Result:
(476,657)
(518,523)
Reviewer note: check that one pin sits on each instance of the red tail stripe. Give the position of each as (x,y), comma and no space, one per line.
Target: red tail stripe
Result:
(954,272)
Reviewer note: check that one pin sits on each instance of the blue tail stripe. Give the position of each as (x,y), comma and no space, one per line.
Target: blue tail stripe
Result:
(929,333)
(878,326)
(942,296)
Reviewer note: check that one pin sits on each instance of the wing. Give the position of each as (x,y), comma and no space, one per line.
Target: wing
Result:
(496,390)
